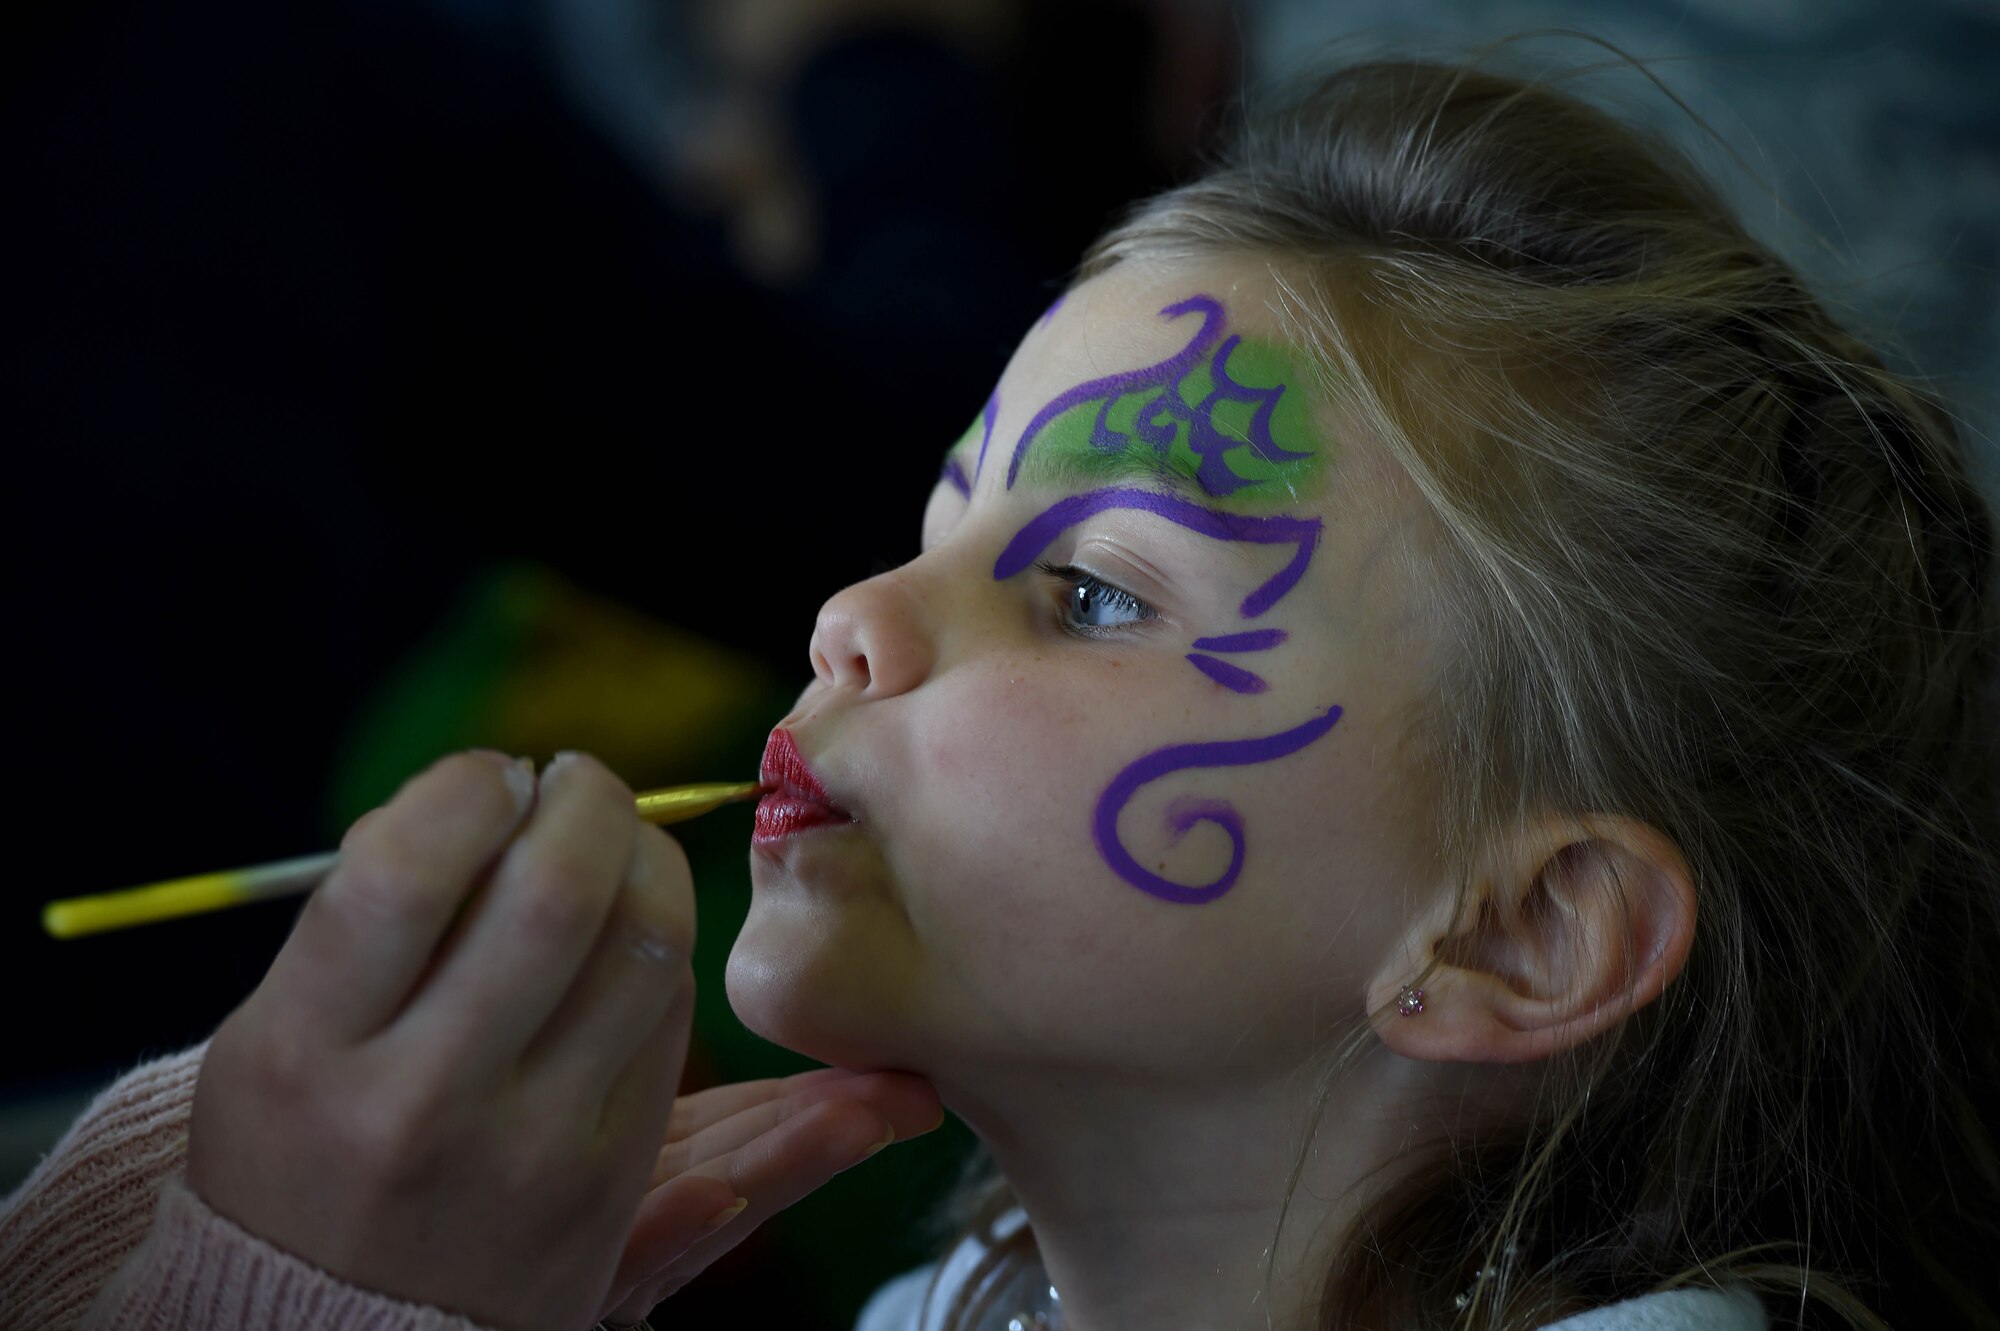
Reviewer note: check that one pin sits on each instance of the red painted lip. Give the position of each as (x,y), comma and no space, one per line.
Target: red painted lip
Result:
(794,799)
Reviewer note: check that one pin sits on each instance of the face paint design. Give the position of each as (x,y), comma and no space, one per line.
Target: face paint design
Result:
(986,416)
(1184,814)
(1233,676)
(1214,523)
(954,476)
(1181,409)
(1197,414)
(1257,640)
(953,472)
(1303,533)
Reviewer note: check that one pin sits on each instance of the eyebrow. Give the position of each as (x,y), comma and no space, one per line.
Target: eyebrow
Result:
(1070,471)
(1074,475)
(1171,475)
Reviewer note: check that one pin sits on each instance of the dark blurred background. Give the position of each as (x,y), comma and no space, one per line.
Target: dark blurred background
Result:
(391,378)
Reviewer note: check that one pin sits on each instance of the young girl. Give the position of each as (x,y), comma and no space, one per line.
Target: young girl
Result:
(1435,769)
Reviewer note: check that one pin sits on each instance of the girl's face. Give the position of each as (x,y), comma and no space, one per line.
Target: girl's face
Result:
(1110,776)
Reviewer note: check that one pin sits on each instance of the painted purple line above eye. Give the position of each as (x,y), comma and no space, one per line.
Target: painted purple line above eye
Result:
(1041,530)
(1256,640)
(986,415)
(955,474)
(1182,816)
(1234,678)
(1113,386)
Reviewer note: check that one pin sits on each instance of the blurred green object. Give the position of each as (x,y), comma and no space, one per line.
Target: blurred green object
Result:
(528,663)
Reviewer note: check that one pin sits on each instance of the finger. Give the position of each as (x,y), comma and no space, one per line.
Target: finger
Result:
(366,935)
(905,1103)
(633,972)
(694,1112)
(670,1220)
(770,1174)
(642,1098)
(637,1109)
(520,946)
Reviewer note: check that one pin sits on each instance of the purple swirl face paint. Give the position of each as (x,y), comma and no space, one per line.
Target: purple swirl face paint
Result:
(1171,420)
(1184,815)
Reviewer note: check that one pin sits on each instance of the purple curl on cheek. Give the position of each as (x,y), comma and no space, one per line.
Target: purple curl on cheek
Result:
(1183,816)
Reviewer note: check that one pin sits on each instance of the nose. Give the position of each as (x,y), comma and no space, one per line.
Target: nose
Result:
(873,637)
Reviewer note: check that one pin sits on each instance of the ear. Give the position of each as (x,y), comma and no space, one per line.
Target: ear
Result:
(1572,926)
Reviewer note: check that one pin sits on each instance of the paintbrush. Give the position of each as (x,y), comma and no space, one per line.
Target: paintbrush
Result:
(76,916)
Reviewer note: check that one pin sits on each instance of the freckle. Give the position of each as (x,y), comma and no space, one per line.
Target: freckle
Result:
(1163,866)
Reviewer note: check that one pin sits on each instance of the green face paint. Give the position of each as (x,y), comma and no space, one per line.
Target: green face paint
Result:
(1221,413)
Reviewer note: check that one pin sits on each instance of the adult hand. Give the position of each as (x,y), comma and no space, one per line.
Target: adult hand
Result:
(760,1146)
(453,1083)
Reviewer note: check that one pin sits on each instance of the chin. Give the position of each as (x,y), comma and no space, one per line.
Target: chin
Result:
(800,980)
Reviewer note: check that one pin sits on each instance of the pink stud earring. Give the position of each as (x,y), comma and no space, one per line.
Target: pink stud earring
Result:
(1410,1001)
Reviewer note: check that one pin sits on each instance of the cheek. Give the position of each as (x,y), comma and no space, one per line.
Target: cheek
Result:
(1015,759)
(1011,765)
(1003,877)
(1034,948)
(1000,731)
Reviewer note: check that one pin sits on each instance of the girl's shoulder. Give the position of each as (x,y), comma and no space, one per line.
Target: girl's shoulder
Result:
(1674,1310)
(917,1300)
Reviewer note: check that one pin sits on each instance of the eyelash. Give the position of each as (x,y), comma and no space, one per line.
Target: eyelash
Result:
(1075,580)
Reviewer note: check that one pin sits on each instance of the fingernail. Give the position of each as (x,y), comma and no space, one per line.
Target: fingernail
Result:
(652,949)
(723,1217)
(519,775)
(560,761)
(876,1147)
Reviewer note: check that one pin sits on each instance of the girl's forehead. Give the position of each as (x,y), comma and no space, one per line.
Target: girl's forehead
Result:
(1114,320)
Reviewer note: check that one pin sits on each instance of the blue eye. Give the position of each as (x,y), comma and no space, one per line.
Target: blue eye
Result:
(1092,605)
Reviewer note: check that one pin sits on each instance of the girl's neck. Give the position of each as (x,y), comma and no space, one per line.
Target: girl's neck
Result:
(1160,1206)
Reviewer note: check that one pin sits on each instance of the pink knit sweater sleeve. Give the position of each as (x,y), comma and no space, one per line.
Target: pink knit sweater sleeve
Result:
(105,1234)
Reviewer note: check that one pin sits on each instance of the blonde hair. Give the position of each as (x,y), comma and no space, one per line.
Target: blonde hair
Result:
(1706,563)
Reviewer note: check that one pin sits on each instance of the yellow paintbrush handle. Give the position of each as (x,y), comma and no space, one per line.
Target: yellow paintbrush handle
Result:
(677,804)
(76,916)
